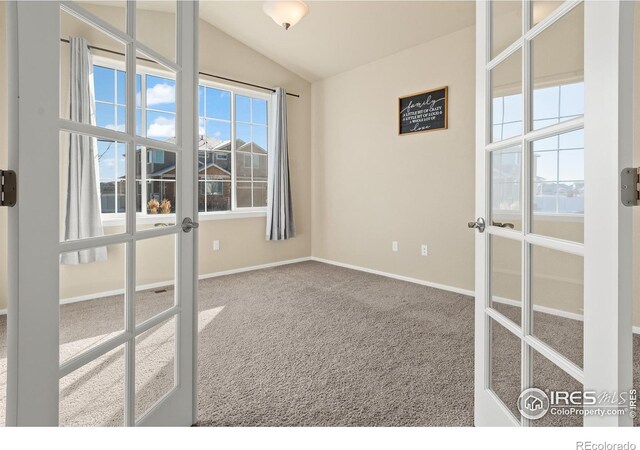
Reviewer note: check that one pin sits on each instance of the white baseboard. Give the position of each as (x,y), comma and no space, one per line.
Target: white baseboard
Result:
(444,287)
(97,295)
(252,268)
(457,290)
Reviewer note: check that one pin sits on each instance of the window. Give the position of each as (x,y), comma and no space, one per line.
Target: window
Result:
(232,173)
(557,162)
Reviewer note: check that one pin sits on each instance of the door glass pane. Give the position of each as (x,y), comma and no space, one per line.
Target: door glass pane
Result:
(506,25)
(557,296)
(152,16)
(155,276)
(91,187)
(558,71)
(506,98)
(106,70)
(506,277)
(542,8)
(557,190)
(92,301)
(506,174)
(157,187)
(548,377)
(113,12)
(93,396)
(156,100)
(155,365)
(505,366)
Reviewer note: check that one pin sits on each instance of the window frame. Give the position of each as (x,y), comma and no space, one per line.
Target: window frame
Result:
(142,217)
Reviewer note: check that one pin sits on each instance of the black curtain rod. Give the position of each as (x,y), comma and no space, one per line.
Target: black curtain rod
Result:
(113,52)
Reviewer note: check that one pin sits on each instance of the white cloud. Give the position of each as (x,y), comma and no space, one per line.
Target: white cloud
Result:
(162,127)
(160,94)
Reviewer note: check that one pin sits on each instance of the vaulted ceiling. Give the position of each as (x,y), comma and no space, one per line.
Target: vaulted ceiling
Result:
(336,36)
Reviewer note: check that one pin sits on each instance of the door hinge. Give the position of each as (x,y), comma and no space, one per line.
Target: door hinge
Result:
(629,193)
(8,188)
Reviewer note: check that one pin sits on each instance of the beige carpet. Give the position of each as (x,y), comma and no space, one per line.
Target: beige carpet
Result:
(308,345)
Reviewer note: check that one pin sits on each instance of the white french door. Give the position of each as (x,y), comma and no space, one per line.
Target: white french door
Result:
(553,265)
(109,342)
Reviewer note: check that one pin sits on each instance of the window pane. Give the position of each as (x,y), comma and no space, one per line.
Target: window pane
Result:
(505,187)
(243,135)
(558,65)
(221,162)
(104,84)
(106,115)
(156,26)
(155,276)
(557,167)
(218,132)
(121,88)
(259,195)
(243,166)
(243,108)
(545,165)
(161,93)
(260,167)
(161,126)
(506,277)
(557,289)
(506,25)
(161,197)
(542,8)
(572,100)
(217,195)
(201,101)
(243,191)
(547,101)
(259,109)
(259,139)
(505,366)
(121,119)
(506,91)
(218,104)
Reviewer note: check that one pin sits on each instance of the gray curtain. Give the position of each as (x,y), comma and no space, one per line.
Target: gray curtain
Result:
(82,218)
(280,225)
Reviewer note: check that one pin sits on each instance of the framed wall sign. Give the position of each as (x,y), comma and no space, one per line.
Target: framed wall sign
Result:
(423,111)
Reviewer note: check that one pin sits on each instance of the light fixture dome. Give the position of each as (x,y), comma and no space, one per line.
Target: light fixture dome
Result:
(285,13)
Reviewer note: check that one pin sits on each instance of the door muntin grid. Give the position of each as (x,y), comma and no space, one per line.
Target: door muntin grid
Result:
(527,239)
(130,236)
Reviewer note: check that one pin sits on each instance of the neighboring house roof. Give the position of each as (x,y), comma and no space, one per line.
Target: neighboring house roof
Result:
(210,145)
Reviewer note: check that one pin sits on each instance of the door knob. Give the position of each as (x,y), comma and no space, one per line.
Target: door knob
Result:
(188,224)
(478,224)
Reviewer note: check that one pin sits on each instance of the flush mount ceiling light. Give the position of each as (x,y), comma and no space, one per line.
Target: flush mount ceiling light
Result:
(285,13)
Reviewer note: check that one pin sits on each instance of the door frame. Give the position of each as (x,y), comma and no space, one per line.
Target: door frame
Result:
(33,371)
(607,254)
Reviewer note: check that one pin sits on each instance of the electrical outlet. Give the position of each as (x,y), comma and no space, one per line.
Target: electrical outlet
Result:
(424,250)
(216,245)
(394,246)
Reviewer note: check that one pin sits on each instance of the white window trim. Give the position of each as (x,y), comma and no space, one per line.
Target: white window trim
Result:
(118,219)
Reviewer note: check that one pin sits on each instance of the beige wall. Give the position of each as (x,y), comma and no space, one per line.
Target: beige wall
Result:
(242,241)
(371,186)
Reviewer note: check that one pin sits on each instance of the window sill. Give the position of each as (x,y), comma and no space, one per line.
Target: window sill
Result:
(120,221)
